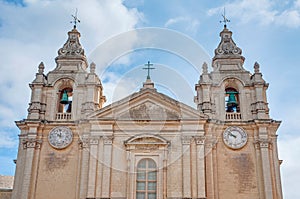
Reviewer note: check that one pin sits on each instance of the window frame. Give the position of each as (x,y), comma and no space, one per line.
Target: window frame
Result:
(146,170)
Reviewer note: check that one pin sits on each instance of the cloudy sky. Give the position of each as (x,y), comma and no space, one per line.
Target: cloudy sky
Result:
(268,32)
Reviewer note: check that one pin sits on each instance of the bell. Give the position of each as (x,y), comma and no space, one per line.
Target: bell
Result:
(64,98)
(231,103)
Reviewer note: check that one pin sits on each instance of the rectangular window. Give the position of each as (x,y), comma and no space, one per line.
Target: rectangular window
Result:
(146,179)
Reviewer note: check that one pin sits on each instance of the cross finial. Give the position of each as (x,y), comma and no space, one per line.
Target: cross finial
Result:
(225,20)
(148,68)
(75,19)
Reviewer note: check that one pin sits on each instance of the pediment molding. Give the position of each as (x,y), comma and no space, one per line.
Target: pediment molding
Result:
(146,139)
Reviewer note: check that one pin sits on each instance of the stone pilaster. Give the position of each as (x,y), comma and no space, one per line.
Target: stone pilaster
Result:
(263,145)
(91,191)
(259,170)
(130,175)
(276,163)
(165,166)
(107,153)
(30,145)
(211,167)
(193,152)
(16,193)
(83,146)
(201,181)
(186,166)
(99,169)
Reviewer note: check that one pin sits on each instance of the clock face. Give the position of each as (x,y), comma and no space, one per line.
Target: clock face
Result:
(235,137)
(60,137)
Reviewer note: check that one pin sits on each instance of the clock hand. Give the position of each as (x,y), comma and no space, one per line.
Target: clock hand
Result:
(232,135)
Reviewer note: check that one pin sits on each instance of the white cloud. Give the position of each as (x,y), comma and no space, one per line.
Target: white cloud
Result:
(297,4)
(7,141)
(189,24)
(175,20)
(290,18)
(264,12)
(118,86)
(114,49)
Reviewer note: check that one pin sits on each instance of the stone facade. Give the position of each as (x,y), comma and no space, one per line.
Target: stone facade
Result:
(148,144)
(6,185)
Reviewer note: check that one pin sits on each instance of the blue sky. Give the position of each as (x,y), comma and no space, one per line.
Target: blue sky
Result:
(267,31)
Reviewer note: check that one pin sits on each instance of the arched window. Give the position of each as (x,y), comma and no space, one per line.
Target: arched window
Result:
(65,100)
(232,100)
(146,179)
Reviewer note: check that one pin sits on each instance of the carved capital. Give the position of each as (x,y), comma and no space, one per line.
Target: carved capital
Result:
(83,143)
(94,140)
(200,140)
(31,143)
(186,139)
(262,143)
(211,143)
(108,139)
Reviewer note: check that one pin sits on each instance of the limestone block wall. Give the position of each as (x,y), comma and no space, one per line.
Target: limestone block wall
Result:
(57,170)
(236,170)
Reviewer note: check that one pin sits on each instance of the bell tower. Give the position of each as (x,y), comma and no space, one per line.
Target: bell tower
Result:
(50,134)
(69,91)
(229,88)
(75,90)
(242,159)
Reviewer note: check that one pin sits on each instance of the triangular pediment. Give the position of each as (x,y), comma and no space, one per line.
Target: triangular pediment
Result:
(147,105)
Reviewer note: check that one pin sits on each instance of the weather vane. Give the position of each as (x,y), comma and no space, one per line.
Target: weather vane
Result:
(225,20)
(75,19)
(148,68)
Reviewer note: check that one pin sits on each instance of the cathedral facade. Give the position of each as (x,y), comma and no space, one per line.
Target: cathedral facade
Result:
(148,145)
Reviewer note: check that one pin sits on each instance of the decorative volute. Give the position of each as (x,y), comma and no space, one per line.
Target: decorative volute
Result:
(227,55)
(71,56)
